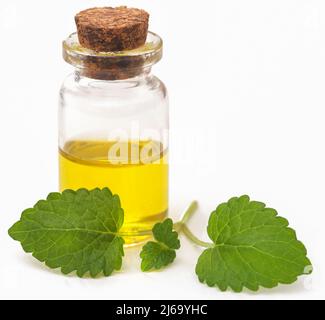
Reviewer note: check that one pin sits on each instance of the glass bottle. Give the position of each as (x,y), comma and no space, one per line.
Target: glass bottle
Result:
(113,130)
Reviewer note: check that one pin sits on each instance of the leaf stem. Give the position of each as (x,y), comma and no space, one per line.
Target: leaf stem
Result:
(182,227)
(186,216)
(189,235)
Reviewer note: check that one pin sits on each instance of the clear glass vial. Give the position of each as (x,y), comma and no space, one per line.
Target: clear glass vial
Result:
(113,130)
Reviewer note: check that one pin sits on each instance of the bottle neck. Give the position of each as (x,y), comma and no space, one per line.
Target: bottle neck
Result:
(112,74)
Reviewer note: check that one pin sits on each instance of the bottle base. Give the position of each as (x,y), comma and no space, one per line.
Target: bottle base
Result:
(136,233)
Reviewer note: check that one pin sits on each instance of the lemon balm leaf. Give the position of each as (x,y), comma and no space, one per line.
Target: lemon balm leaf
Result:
(162,252)
(155,256)
(252,247)
(163,233)
(75,231)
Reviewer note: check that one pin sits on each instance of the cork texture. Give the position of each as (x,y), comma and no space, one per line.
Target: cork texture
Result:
(112,29)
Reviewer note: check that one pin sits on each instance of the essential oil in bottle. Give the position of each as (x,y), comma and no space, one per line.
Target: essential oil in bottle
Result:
(136,171)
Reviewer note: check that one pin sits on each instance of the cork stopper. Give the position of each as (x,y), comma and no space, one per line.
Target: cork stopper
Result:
(110,29)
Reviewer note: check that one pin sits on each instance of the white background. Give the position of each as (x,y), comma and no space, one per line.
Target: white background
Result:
(246,82)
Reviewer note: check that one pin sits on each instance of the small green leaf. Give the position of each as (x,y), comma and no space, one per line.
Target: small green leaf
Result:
(75,231)
(156,255)
(163,232)
(253,247)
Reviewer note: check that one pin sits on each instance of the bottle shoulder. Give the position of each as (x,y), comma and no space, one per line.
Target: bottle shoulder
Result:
(131,94)
(75,85)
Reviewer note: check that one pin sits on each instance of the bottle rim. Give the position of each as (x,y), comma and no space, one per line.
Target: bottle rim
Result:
(142,57)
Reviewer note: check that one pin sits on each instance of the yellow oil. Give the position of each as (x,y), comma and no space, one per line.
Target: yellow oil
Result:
(136,171)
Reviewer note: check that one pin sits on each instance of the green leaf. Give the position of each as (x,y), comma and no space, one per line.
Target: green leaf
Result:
(156,255)
(75,231)
(163,233)
(252,247)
